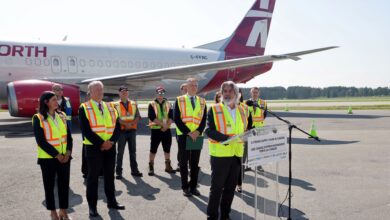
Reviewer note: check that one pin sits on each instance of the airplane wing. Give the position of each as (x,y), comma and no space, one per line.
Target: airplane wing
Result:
(183,72)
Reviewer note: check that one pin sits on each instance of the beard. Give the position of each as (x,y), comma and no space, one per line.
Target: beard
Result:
(228,100)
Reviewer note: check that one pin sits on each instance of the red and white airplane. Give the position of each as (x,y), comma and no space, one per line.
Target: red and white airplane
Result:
(28,69)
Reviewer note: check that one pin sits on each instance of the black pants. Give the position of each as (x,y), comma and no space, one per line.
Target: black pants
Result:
(84,167)
(241,172)
(191,156)
(50,169)
(163,137)
(224,173)
(97,160)
(128,137)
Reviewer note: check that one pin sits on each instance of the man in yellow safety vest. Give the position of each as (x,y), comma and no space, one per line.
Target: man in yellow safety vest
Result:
(225,120)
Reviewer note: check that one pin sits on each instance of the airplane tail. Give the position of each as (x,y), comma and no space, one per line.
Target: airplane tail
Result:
(250,37)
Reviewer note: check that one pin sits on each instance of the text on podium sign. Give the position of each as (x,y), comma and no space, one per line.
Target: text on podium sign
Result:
(265,149)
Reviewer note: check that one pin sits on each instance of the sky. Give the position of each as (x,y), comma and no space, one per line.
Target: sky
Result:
(360,28)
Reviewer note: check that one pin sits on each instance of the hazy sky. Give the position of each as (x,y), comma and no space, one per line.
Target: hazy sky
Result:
(360,28)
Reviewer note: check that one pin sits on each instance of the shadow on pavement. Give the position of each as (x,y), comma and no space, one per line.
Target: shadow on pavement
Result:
(140,188)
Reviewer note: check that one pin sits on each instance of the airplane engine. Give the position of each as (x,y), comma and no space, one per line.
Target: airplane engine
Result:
(23,96)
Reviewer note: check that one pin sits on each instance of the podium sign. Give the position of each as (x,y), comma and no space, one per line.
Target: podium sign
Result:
(265,149)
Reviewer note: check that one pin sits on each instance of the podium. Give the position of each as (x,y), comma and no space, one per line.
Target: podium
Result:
(267,146)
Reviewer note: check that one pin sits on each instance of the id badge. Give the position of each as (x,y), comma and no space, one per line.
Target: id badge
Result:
(164,121)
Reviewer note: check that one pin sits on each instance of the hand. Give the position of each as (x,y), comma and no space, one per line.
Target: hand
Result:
(194,135)
(128,125)
(107,145)
(60,158)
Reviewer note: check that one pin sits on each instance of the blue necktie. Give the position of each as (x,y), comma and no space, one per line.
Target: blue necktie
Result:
(193,102)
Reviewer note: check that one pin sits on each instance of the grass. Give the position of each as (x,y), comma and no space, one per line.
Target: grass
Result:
(341,99)
(355,107)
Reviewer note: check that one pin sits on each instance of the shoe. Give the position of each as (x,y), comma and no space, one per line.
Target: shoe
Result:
(85,176)
(247,169)
(151,169)
(260,169)
(187,192)
(168,167)
(137,174)
(119,177)
(178,169)
(195,192)
(93,212)
(116,206)
(239,189)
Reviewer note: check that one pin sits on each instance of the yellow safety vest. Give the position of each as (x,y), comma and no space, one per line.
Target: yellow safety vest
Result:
(258,114)
(126,114)
(102,124)
(55,133)
(191,117)
(224,123)
(161,114)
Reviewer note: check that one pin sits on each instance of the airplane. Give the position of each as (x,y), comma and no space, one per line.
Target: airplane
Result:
(27,69)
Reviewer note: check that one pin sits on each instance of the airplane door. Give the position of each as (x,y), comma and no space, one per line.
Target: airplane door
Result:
(72,64)
(55,64)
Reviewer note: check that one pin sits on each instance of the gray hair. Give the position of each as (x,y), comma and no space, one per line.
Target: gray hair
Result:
(94,83)
(192,79)
(232,85)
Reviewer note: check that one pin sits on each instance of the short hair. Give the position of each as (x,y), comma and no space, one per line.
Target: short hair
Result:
(232,85)
(94,83)
(218,93)
(192,79)
(56,86)
(255,88)
(182,85)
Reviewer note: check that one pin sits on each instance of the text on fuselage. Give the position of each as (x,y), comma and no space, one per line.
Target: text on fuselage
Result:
(22,51)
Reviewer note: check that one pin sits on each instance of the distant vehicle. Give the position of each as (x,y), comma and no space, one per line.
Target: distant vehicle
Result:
(27,69)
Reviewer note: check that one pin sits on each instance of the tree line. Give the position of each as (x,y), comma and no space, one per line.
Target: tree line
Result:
(302,92)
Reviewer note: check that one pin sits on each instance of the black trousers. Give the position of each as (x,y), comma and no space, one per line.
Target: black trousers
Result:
(191,156)
(97,160)
(164,137)
(242,169)
(84,167)
(50,169)
(224,173)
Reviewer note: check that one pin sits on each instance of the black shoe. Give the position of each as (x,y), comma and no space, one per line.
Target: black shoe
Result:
(187,192)
(119,177)
(178,169)
(247,169)
(195,192)
(93,212)
(85,176)
(116,206)
(137,174)
(260,169)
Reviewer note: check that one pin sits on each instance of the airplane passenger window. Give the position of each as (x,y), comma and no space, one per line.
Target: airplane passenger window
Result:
(137,64)
(115,64)
(37,61)
(100,63)
(91,63)
(108,63)
(82,63)
(153,65)
(28,61)
(56,62)
(159,65)
(46,62)
(145,64)
(130,64)
(123,64)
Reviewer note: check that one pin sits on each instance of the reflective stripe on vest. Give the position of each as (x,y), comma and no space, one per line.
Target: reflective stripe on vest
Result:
(224,123)
(55,134)
(258,114)
(160,115)
(124,115)
(102,125)
(68,109)
(190,117)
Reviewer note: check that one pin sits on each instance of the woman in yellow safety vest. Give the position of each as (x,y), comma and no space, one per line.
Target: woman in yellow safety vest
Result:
(54,142)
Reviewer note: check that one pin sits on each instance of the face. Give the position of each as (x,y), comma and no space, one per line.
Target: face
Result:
(228,94)
(52,103)
(218,98)
(192,87)
(124,94)
(59,91)
(160,96)
(97,92)
(255,94)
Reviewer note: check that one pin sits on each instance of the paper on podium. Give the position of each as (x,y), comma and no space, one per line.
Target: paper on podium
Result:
(255,132)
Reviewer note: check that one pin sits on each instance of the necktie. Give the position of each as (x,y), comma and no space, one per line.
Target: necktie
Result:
(193,102)
(100,108)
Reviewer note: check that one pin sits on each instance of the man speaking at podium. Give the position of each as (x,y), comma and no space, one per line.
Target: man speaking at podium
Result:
(224,120)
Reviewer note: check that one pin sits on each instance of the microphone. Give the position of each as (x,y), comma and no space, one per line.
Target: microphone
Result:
(254,104)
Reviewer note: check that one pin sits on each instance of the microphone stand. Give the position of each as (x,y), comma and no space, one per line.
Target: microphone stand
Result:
(290,127)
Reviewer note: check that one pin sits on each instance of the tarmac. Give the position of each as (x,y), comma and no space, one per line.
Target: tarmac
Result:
(345,176)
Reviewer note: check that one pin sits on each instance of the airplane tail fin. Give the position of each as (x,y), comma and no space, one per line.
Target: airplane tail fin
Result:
(250,37)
